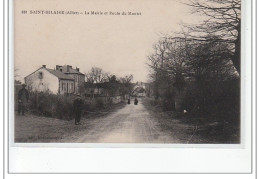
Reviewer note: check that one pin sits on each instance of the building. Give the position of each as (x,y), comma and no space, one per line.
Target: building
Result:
(139,90)
(79,78)
(105,89)
(62,80)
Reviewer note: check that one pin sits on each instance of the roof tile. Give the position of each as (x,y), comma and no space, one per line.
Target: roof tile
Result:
(59,74)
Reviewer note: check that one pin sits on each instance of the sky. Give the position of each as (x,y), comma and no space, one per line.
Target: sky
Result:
(118,44)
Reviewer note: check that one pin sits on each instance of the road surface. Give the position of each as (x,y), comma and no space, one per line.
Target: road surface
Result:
(131,124)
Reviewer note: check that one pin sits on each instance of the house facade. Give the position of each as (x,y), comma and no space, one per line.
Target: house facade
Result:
(54,81)
(139,90)
(79,78)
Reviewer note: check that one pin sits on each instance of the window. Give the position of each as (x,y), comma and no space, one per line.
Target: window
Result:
(40,75)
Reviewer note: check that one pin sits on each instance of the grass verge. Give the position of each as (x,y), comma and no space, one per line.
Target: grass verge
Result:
(192,129)
(40,129)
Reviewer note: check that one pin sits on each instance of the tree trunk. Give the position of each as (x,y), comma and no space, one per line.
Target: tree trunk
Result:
(236,59)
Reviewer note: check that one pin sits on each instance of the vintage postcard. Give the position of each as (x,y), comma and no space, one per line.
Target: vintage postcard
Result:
(89,76)
(159,72)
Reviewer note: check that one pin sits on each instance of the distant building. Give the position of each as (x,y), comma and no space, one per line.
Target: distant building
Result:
(62,80)
(105,89)
(139,89)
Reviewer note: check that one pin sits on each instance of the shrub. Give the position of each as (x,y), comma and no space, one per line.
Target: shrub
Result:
(50,105)
(220,99)
(100,104)
(61,106)
(64,107)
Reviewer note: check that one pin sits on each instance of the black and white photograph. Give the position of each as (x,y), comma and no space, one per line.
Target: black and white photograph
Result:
(129,87)
(95,72)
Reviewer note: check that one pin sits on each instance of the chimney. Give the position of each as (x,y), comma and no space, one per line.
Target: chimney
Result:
(58,67)
(44,66)
(68,68)
(77,69)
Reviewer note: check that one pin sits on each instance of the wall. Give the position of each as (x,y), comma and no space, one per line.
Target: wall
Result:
(48,82)
(66,86)
(79,79)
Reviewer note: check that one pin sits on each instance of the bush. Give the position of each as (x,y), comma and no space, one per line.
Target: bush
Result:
(96,104)
(220,99)
(64,107)
(61,106)
(100,104)
(50,105)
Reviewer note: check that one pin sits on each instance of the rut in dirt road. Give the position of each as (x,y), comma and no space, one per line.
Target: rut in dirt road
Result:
(132,124)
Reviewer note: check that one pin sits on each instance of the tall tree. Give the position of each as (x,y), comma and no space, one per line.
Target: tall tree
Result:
(96,75)
(222,23)
(126,86)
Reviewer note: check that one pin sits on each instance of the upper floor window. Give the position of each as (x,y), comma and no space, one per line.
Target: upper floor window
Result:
(40,75)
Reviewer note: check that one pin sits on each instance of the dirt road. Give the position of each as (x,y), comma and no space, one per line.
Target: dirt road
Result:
(142,123)
(131,124)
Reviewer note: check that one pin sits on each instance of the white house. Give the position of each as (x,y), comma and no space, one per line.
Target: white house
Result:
(52,80)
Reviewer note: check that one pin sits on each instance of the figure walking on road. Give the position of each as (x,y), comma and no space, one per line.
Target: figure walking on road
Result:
(23,97)
(136,101)
(77,109)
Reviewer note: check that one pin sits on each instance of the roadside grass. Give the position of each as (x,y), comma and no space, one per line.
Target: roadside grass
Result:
(40,129)
(192,129)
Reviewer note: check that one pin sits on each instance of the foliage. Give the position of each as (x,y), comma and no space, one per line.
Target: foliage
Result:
(96,75)
(61,106)
(222,23)
(198,71)
(100,83)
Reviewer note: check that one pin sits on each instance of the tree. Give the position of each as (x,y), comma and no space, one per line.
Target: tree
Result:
(96,75)
(178,62)
(126,86)
(126,79)
(168,70)
(209,61)
(222,24)
(112,79)
(168,65)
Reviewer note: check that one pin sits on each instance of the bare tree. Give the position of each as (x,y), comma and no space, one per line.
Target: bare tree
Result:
(126,79)
(167,65)
(222,24)
(126,86)
(96,75)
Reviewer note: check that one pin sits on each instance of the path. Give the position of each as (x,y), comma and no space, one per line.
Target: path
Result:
(131,124)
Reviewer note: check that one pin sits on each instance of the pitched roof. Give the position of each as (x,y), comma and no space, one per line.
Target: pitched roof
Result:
(65,69)
(139,89)
(71,70)
(59,74)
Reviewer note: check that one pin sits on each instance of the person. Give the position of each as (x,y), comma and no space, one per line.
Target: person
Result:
(128,100)
(77,109)
(136,101)
(23,97)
